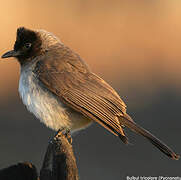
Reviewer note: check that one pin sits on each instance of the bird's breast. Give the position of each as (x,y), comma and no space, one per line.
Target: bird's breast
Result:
(46,106)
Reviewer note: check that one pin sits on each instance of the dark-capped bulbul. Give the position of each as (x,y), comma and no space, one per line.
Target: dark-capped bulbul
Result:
(58,87)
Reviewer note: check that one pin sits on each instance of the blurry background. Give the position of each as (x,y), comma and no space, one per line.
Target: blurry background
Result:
(133,45)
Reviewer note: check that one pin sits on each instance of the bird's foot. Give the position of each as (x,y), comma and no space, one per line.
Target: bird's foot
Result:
(57,134)
(65,132)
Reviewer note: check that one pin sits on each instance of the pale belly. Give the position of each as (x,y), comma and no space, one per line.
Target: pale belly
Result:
(47,107)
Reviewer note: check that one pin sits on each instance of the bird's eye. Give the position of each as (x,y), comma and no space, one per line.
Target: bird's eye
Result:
(27,45)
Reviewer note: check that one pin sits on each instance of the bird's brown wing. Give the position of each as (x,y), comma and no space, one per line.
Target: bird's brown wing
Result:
(71,80)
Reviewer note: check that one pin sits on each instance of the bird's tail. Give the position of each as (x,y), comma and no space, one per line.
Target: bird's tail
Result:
(128,122)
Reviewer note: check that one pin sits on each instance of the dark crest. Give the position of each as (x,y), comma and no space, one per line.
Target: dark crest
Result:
(28,44)
(24,36)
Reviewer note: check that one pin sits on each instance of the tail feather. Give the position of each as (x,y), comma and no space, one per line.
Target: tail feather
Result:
(124,139)
(155,141)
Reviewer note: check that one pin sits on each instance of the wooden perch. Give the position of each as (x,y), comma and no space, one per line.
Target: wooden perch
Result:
(59,163)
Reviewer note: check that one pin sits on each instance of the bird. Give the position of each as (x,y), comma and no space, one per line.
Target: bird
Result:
(59,88)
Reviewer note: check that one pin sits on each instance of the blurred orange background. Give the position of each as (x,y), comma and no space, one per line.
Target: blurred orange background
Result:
(134,46)
(135,43)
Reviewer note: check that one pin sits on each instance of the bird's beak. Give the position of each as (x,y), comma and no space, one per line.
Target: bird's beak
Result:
(11,53)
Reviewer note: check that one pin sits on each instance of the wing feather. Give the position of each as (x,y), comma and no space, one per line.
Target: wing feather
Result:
(73,83)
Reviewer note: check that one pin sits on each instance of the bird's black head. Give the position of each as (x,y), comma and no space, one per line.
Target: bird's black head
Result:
(27,45)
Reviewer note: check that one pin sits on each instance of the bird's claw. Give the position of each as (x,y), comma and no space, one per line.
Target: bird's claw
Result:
(65,132)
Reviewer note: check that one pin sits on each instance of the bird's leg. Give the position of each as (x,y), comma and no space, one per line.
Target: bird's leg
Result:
(66,132)
(60,131)
(68,136)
